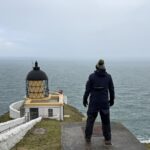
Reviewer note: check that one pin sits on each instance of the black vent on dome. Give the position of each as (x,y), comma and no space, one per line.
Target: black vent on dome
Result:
(36,73)
(36,66)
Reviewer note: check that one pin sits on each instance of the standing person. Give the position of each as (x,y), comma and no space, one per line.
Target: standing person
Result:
(101,90)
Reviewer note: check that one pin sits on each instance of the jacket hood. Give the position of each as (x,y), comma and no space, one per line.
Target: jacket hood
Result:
(101,72)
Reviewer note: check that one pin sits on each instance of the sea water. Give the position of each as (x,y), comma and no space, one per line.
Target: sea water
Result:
(131,80)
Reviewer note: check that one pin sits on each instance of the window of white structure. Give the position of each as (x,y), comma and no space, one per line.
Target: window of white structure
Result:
(50,112)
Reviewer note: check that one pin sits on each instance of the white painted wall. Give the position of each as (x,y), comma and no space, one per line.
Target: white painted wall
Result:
(10,124)
(13,136)
(65,99)
(14,109)
(61,113)
(43,112)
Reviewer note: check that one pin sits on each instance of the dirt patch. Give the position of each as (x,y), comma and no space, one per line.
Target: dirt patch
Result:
(39,131)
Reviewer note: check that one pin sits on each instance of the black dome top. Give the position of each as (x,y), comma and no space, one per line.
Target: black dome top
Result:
(36,74)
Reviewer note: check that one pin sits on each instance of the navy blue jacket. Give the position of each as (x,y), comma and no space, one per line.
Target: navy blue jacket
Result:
(100,87)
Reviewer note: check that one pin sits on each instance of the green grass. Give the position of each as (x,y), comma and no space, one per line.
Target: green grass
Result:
(48,141)
(148,146)
(51,140)
(5,117)
(75,115)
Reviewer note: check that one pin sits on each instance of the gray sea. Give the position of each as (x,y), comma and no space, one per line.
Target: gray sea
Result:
(131,80)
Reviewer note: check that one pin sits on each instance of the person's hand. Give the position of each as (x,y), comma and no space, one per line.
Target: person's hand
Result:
(85,103)
(111,102)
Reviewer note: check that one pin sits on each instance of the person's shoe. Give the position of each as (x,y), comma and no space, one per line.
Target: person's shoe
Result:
(88,140)
(108,143)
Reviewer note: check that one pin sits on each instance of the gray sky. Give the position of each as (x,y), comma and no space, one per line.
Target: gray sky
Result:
(109,29)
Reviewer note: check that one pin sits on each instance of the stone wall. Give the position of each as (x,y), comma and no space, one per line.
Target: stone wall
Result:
(10,124)
(14,109)
(13,136)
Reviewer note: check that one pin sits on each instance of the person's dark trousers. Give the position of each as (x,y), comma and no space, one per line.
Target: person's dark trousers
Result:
(105,118)
(89,124)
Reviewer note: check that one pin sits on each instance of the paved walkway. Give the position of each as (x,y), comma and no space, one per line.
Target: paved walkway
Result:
(73,138)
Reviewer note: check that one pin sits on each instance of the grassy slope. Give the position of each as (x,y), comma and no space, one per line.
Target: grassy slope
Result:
(148,146)
(51,140)
(5,117)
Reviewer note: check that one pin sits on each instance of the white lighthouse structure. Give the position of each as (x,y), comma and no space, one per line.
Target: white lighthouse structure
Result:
(39,102)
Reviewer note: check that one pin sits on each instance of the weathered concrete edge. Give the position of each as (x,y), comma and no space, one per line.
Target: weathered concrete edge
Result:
(117,125)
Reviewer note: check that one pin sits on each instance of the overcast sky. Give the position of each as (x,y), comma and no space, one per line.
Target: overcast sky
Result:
(109,29)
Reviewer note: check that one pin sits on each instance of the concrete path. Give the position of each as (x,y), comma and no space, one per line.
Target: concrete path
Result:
(122,139)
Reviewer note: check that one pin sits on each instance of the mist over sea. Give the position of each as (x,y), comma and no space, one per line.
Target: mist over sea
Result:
(131,80)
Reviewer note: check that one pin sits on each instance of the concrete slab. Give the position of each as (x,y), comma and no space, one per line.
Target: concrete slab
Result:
(122,139)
